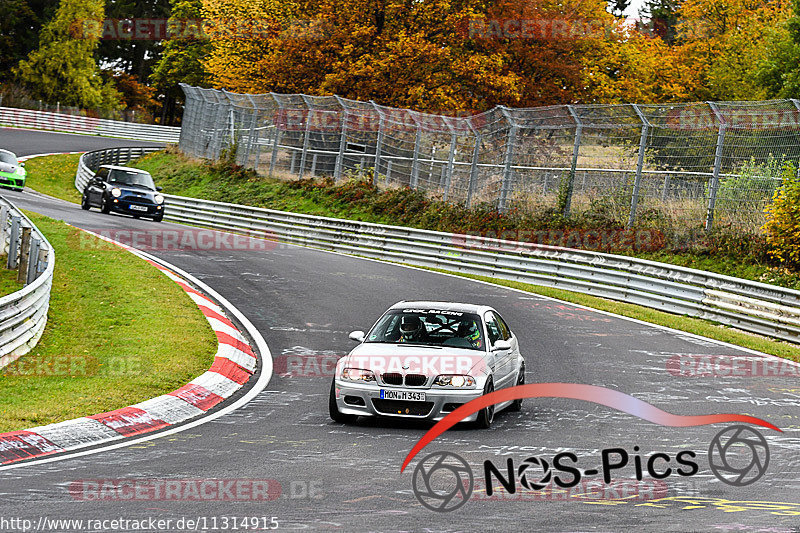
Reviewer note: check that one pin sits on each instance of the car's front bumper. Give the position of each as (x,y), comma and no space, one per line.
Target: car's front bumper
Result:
(132,208)
(11,179)
(365,400)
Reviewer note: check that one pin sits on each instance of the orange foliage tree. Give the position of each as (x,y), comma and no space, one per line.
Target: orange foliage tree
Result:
(441,55)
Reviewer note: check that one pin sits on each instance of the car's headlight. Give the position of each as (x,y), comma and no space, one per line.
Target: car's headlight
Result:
(116,193)
(358,374)
(20,171)
(159,199)
(454,380)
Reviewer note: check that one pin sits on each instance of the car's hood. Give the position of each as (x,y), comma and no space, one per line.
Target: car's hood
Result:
(406,358)
(135,190)
(8,167)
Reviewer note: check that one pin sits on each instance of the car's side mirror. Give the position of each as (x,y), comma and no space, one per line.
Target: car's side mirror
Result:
(159,189)
(357,336)
(501,345)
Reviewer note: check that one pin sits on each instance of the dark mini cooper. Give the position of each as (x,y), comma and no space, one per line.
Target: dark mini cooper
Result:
(124,190)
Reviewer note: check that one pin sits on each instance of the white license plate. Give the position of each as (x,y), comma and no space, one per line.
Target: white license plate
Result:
(402,395)
(138,208)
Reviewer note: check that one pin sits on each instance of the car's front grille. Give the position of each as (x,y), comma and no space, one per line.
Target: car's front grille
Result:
(411,380)
(392,378)
(416,380)
(402,407)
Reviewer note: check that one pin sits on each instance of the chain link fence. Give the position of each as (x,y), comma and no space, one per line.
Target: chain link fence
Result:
(687,164)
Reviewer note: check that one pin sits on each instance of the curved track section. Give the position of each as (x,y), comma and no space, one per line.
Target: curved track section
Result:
(348,478)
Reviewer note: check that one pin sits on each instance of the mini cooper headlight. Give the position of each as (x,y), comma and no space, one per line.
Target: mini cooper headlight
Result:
(454,380)
(116,193)
(159,199)
(358,374)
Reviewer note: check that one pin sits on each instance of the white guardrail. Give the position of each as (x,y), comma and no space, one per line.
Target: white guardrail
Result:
(46,120)
(747,305)
(23,314)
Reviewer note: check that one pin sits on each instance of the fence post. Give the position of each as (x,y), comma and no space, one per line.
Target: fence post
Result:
(337,174)
(306,136)
(415,160)
(508,160)
(3,228)
(473,167)
(576,148)
(216,146)
(277,137)
(251,134)
(33,259)
(639,164)
(450,159)
(378,145)
(797,122)
(712,197)
(24,255)
(13,242)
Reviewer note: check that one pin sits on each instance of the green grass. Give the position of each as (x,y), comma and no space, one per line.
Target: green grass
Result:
(54,175)
(118,332)
(8,279)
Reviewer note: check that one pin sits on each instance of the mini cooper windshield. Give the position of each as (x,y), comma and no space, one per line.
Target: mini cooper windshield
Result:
(127,177)
(429,328)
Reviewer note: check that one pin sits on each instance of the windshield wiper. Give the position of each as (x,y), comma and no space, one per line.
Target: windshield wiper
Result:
(417,345)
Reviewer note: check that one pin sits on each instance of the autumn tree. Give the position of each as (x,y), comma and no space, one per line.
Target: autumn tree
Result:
(181,61)
(454,55)
(779,72)
(63,68)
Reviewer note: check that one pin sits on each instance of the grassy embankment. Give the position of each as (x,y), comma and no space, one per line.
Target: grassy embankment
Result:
(118,332)
(721,252)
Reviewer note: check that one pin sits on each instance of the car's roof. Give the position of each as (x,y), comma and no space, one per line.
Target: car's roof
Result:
(444,306)
(117,167)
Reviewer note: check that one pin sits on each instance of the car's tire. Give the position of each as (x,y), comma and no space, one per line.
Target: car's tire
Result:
(105,208)
(85,203)
(486,415)
(333,409)
(516,405)
(158,218)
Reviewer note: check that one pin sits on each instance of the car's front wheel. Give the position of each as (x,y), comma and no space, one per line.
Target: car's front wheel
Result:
(486,415)
(85,203)
(333,409)
(105,207)
(158,218)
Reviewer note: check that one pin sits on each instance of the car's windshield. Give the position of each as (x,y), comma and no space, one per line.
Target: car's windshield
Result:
(130,177)
(429,327)
(6,157)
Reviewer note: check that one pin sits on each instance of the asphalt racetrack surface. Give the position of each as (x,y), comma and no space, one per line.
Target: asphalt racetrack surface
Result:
(347,478)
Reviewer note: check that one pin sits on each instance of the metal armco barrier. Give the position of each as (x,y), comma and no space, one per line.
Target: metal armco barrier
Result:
(23,314)
(747,305)
(45,120)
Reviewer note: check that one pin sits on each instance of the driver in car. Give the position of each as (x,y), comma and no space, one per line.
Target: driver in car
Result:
(470,331)
(412,329)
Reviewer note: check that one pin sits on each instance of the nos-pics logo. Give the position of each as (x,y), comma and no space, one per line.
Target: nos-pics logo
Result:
(444,481)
